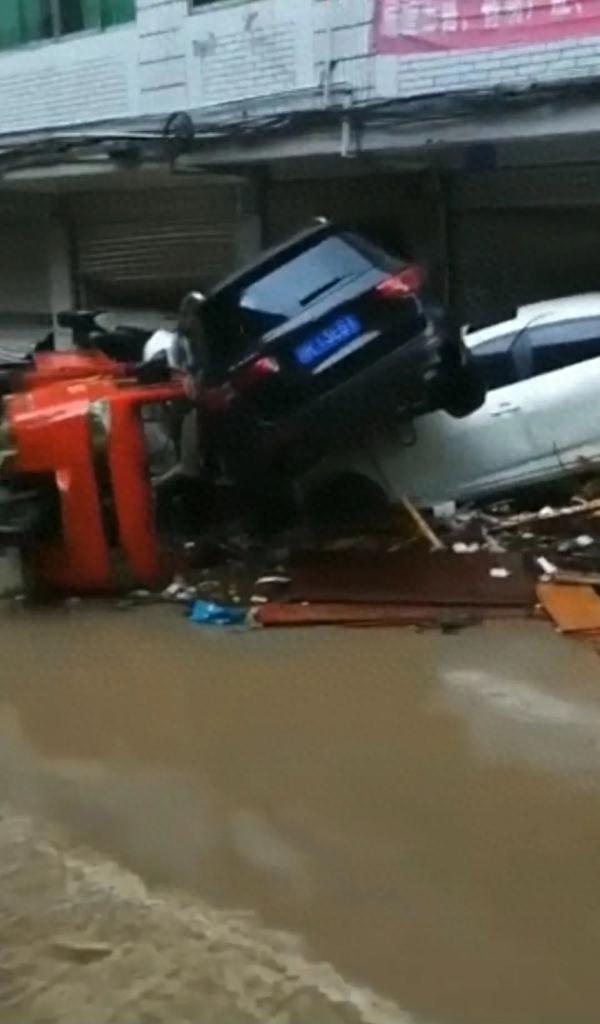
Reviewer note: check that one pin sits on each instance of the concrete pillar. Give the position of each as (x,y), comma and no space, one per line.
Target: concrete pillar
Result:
(60,272)
(247,239)
(249,227)
(12,580)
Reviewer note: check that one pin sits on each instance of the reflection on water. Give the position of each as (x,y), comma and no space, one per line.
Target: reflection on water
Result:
(421,810)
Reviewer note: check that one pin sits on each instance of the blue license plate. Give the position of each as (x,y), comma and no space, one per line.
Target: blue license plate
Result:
(343,330)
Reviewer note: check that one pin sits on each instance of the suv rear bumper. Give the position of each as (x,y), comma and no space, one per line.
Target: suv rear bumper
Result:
(401,381)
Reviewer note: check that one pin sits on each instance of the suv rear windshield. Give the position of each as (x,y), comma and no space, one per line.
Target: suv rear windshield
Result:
(292,286)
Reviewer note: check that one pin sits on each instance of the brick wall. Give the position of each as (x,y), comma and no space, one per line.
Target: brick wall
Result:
(514,65)
(162,61)
(342,41)
(242,50)
(60,83)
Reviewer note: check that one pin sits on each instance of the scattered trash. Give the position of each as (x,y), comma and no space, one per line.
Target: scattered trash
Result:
(499,573)
(493,545)
(179,592)
(207,586)
(82,952)
(208,613)
(460,548)
(547,513)
(173,589)
(548,568)
(584,541)
(445,510)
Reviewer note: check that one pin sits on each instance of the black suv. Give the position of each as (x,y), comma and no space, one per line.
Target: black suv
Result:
(321,339)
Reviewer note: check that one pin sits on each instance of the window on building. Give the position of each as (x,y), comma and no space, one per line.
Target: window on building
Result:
(28,21)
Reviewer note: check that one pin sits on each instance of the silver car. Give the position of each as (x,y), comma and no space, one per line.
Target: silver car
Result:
(540,420)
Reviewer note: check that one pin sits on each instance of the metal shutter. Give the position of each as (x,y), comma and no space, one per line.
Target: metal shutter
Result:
(402,211)
(24,271)
(149,246)
(521,236)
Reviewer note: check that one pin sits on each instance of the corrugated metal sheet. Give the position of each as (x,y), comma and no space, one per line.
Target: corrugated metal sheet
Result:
(522,236)
(527,187)
(402,211)
(24,269)
(24,208)
(151,245)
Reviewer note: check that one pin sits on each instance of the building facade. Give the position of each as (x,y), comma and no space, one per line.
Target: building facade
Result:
(69,61)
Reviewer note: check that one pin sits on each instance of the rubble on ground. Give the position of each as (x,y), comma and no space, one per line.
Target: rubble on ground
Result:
(447,568)
(451,568)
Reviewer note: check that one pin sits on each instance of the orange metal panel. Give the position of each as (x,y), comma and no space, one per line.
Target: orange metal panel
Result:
(49,423)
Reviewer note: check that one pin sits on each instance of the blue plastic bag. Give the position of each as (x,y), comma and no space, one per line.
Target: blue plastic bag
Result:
(207,613)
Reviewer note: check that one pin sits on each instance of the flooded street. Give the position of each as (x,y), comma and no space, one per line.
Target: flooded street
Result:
(419,814)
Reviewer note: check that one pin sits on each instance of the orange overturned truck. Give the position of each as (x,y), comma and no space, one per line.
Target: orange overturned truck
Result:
(76,498)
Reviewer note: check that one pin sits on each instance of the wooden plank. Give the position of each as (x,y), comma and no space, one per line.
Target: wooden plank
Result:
(339,614)
(574,609)
(423,526)
(415,577)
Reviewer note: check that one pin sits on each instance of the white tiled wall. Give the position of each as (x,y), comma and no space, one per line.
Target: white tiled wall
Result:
(481,69)
(342,38)
(243,50)
(64,82)
(161,56)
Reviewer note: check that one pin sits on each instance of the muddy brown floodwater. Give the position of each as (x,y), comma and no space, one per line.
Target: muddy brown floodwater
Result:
(420,811)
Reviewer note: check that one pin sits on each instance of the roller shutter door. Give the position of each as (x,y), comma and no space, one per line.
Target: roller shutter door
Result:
(24,271)
(521,236)
(403,212)
(147,247)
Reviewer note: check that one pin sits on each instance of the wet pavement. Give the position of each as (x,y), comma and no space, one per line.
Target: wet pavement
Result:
(420,811)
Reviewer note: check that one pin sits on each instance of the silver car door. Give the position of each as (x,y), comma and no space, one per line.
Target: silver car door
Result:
(564,400)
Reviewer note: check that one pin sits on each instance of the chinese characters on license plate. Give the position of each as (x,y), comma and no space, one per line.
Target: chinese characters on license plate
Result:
(340,332)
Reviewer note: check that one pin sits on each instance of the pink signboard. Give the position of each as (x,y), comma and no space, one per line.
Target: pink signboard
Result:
(427,26)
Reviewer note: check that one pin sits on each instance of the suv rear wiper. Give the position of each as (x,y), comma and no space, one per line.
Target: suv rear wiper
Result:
(321,291)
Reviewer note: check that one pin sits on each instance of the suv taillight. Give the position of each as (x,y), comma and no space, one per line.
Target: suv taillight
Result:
(401,285)
(248,376)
